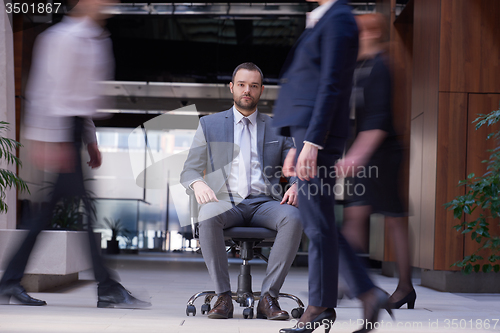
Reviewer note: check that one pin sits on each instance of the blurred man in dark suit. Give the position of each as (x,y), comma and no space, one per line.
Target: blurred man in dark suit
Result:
(313,108)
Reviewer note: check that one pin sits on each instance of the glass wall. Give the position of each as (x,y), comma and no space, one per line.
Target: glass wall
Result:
(149,217)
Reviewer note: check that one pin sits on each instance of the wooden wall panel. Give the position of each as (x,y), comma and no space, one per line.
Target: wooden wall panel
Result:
(490,47)
(424,101)
(470,48)
(451,168)
(402,64)
(425,77)
(415,190)
(477,147)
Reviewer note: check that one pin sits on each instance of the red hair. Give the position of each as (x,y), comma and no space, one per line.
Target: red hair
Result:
(373,22)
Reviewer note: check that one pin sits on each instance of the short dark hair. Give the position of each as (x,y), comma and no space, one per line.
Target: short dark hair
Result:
(249,66)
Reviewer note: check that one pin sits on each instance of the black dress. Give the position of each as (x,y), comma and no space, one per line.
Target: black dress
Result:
(378,183)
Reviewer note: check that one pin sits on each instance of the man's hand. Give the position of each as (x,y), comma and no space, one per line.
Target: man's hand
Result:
(290,196)
(203,193)
(307,162)
(95,155)
(53,156)
(289,164)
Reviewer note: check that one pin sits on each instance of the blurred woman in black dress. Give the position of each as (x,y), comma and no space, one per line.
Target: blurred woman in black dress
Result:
(377,151)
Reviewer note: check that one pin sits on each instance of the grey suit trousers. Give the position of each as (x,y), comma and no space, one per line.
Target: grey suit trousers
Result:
(254,211)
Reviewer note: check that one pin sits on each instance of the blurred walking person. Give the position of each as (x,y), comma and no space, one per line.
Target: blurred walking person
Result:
(376,148)
(69,58)
(313,108)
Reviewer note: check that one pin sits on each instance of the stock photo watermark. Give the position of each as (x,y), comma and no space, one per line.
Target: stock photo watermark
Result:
(452,324)
(331,172)
(37,12)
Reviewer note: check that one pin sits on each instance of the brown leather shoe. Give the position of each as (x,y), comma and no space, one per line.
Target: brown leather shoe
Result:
(223,308)
(269,308)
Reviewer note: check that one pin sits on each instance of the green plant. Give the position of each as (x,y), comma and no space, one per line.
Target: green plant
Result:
(483,194)
(116,227)
(8,179)
(68,214)
(69,211)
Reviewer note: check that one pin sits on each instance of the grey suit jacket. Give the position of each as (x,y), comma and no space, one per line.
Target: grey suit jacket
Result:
(213,151)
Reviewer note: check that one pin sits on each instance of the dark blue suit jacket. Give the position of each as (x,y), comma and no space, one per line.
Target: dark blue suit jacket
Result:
(317,79)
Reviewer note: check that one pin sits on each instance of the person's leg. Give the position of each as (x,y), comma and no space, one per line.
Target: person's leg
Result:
(399,237)
(355,225)
(214,217)
(353,270)
(102,274)
(317,215)
(14,272)
(387,200)
(75,186)
(316,207)
(15,269)
(285,220)
(110,293)
(359,282)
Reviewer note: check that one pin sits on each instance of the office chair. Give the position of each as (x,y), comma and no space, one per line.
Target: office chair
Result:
(245,240)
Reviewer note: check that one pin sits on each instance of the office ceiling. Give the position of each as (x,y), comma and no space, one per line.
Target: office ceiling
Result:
(172,54)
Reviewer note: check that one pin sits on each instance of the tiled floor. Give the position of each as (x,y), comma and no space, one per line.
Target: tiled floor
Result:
(169,280)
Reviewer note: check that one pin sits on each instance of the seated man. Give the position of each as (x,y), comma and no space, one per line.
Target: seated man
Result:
(242,156)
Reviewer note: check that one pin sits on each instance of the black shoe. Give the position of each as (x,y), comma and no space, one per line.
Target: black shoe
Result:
(410,299)
(325,318)
(371,310)
(18,293)
(116,296)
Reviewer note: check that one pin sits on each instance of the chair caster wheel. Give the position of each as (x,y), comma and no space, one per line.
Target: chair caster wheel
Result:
(191,309)
(248,313)
(297,312)
(205,308)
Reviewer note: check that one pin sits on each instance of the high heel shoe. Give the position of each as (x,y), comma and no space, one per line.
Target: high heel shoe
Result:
(325,318)
(408,299)
(381,302)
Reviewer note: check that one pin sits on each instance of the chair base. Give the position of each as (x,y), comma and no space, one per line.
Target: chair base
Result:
(246,300)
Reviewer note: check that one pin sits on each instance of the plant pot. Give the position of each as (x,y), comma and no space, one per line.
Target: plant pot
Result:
(113,247)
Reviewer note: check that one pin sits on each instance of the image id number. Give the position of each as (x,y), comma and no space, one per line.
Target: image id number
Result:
(474,324)
(26,8)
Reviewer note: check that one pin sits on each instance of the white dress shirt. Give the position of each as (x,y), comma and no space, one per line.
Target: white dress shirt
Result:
(69,59)
(313,17)
(258,185)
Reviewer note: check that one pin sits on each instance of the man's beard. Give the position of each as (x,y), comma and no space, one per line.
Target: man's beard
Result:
(248,107)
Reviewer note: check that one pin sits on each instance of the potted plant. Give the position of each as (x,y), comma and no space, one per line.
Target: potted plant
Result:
(117,229)
(8,179)
(482,194)
(69,211)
